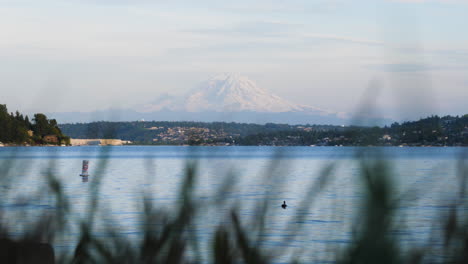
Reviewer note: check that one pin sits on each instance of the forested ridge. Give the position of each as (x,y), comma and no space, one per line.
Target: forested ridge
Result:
(430,131)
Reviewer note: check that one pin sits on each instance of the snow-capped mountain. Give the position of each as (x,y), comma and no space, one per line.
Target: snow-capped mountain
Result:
(223,98)
(235,93)
(229,93)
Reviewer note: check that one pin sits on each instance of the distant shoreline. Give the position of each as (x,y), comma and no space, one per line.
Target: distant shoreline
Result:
(148,145)
(431,131)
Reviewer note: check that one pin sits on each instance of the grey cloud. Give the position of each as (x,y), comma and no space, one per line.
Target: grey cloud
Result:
(401,67)
(337,39)
(253,28)
(304,7)
(414,67)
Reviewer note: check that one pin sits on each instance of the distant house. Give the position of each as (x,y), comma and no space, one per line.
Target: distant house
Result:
(50,139)
(386,137)
(30,133)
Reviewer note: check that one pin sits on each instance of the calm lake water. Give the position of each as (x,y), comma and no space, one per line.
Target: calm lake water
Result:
(425,179)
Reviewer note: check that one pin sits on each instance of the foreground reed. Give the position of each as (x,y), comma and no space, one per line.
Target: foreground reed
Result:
(169,236)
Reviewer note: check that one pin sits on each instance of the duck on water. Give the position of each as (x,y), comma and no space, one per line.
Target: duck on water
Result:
(284,205)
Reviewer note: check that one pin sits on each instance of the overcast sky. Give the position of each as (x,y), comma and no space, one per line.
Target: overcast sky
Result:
(85,55)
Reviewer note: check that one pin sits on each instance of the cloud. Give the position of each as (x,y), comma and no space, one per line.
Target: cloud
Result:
(431,1)
(401,67)
(414,67)
(343,39)
(251,28)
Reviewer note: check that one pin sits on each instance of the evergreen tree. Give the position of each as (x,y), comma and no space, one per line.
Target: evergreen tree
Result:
(14,128)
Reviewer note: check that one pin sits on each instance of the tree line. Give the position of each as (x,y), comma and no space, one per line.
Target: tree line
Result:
(430,131)
(16,128)
(433,130)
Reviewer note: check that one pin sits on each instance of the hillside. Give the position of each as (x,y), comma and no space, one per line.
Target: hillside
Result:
(431,131)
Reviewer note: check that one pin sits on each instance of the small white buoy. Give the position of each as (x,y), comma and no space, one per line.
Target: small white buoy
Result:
(84,169)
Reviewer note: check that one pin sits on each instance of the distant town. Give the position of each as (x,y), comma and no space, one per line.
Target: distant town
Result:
(431,131)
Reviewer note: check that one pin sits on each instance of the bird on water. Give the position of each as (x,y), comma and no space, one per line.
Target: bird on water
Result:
(284,205)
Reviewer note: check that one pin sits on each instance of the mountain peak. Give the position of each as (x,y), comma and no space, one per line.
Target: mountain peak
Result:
(228,75)
(229,81)
(229,92)
(232,92)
